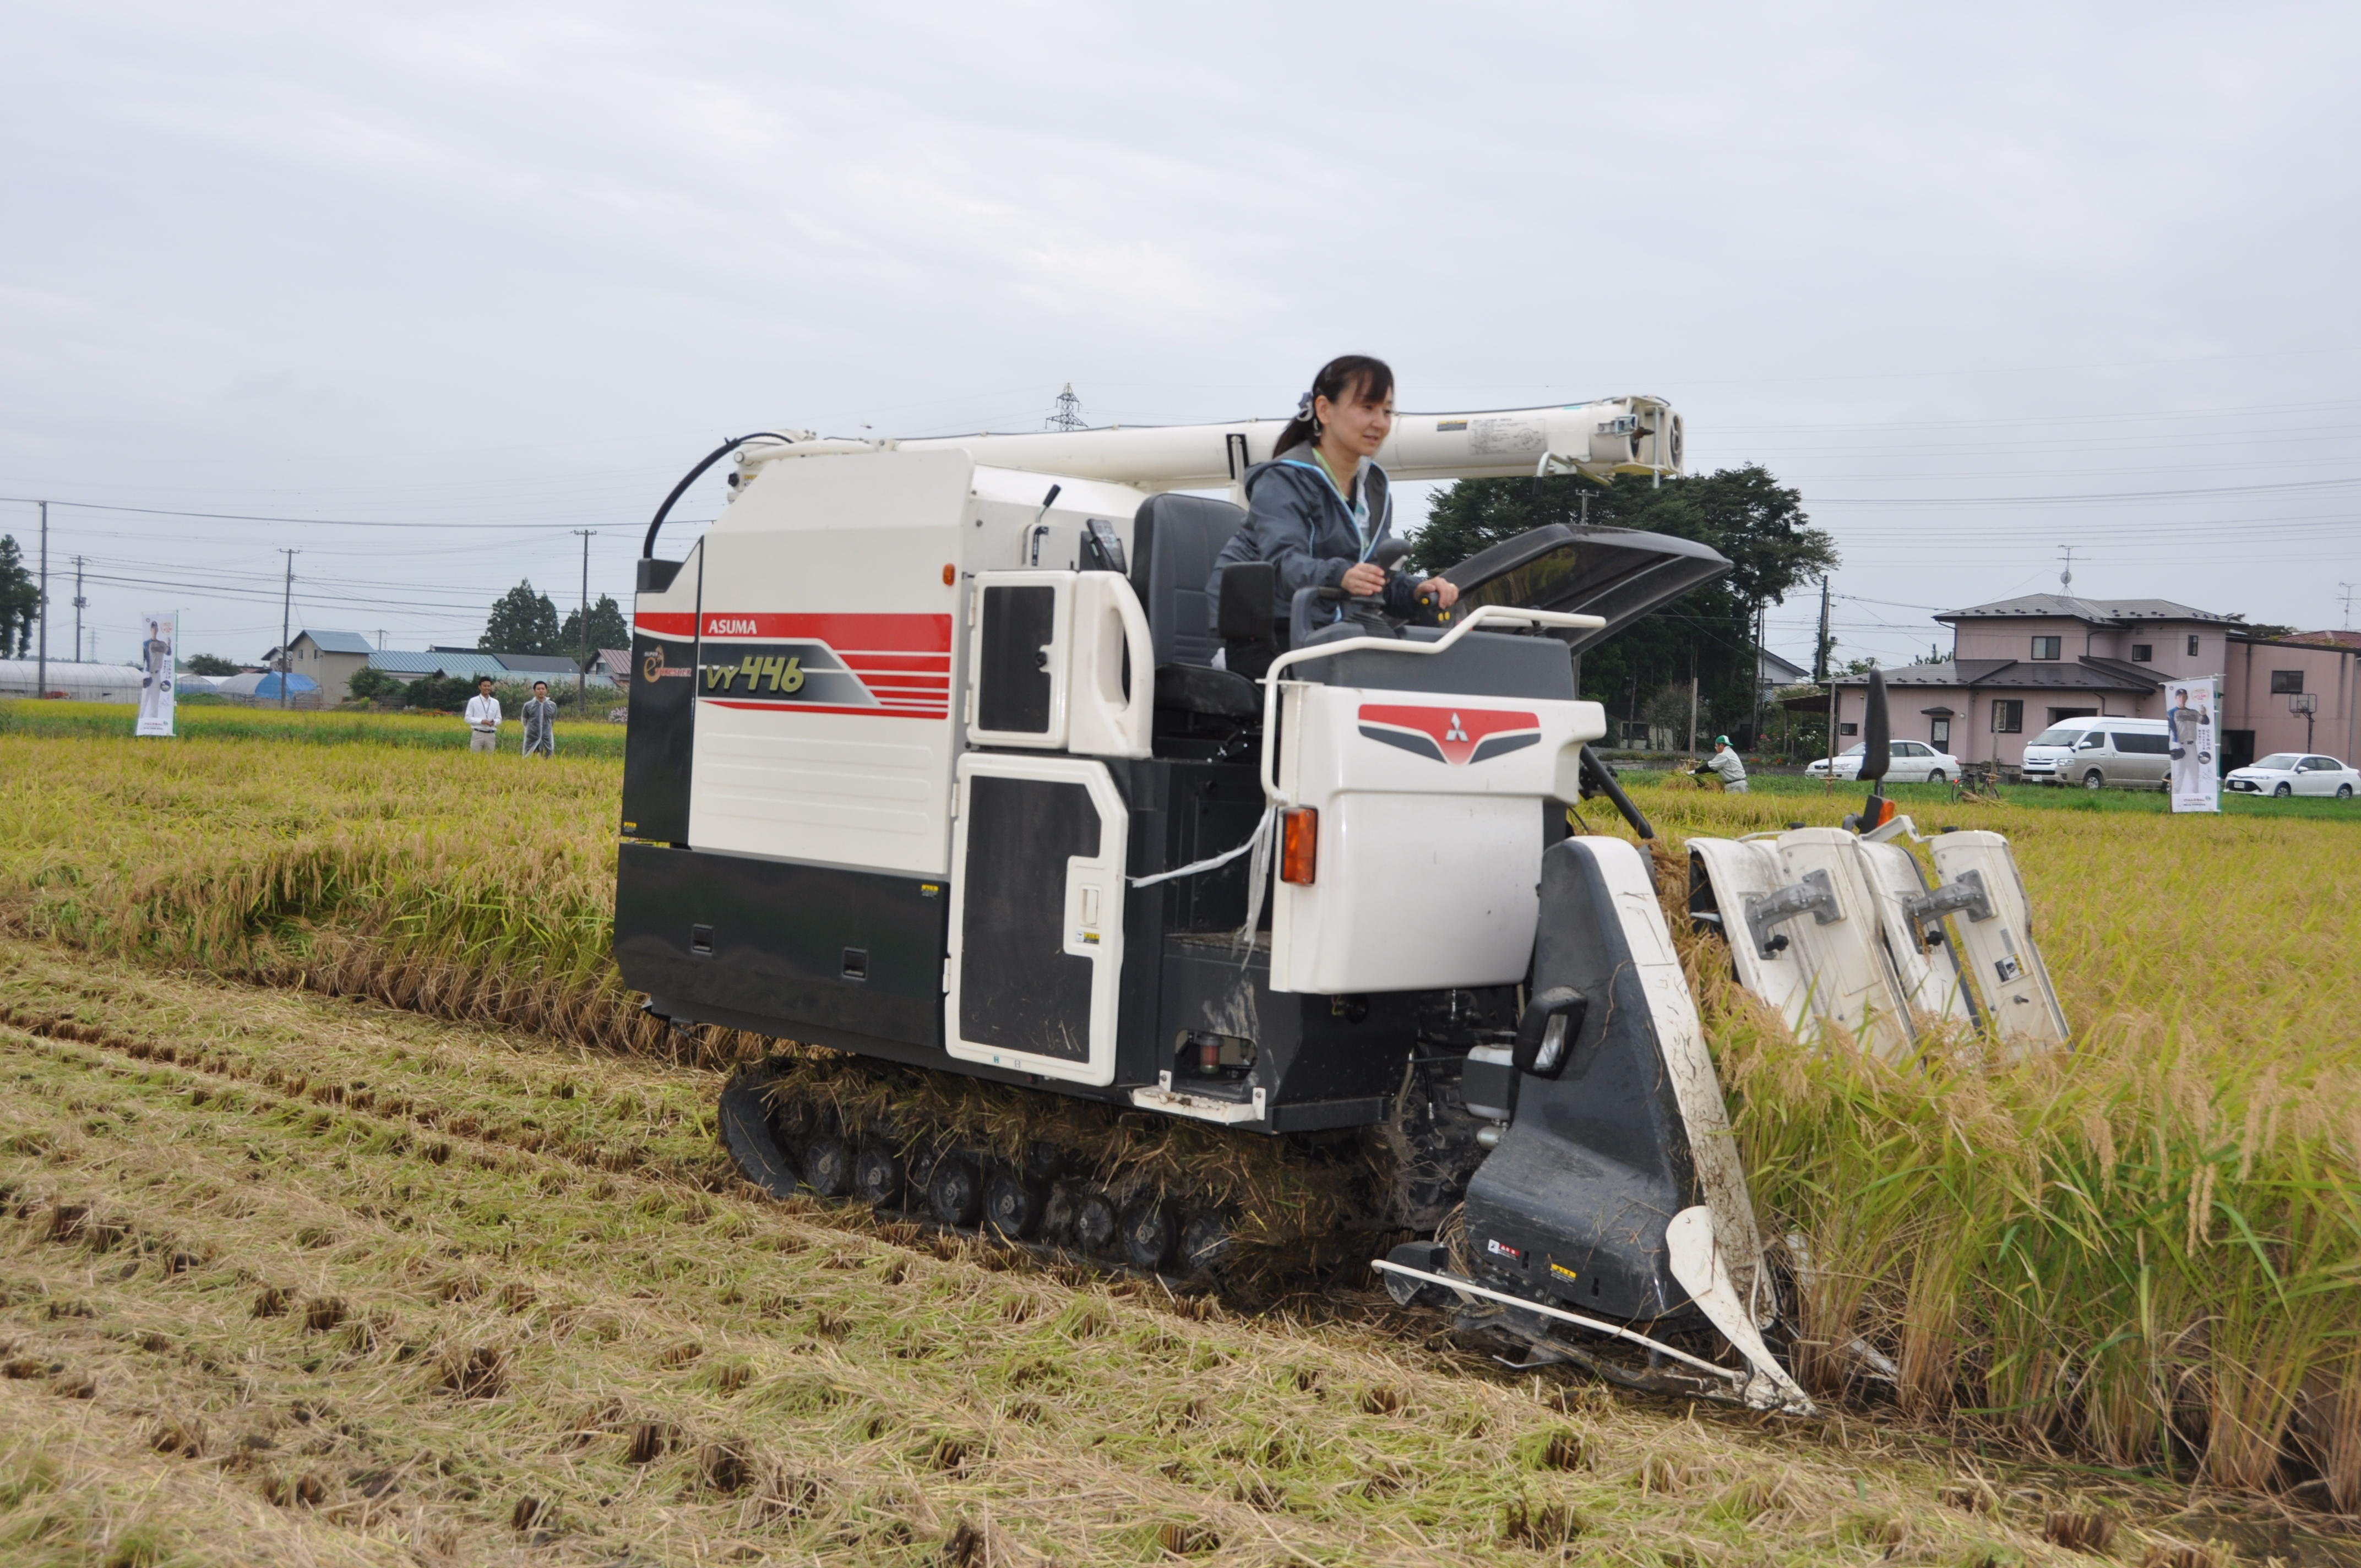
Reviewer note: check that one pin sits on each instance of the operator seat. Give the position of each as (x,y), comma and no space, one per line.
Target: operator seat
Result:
(1174,541)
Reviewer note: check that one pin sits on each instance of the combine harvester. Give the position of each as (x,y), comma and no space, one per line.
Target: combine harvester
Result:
(929,762)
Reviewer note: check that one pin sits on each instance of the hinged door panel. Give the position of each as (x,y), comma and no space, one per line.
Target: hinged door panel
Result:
(1036,917)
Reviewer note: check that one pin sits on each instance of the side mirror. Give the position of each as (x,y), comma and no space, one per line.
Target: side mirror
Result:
(1546,1031)
(1876,731)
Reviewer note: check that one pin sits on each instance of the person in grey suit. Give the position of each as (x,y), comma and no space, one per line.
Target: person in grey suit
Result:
(540,723)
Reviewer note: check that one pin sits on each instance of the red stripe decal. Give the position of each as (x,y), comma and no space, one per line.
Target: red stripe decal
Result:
(820,707)
(939,662)
(667,623)
(1457,732)
(869,633)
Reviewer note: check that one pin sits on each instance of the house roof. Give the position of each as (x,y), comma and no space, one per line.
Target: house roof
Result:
(1769,663)
(2330,639)
(337,642)
(616,662)
(409,666)
(2098,612)
(2018,675)
(537,664)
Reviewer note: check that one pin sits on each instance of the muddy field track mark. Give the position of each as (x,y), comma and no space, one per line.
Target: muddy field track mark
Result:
(1014,1397)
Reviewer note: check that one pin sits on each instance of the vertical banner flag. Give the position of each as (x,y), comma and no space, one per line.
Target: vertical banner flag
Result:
(2191,718)
(159,635)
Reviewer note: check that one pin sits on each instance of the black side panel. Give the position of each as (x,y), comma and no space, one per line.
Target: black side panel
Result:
(1573,1204)
(860,952)
(1019,989)
(1012,686)
(661,707)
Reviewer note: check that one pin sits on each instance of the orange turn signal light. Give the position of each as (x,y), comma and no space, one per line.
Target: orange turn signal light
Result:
(1299,844)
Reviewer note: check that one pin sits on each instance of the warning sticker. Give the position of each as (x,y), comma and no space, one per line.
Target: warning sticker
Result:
(1444,424)
(1506,435)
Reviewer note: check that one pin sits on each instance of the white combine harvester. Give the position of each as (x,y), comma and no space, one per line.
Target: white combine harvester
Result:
(927,761)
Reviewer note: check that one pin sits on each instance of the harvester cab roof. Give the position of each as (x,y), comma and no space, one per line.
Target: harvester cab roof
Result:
(929,763)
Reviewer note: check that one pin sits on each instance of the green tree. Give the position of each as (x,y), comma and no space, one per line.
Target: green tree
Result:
(522,622)
(375,686)
(1707,634)
(607,629)
(20,601)
(209,664)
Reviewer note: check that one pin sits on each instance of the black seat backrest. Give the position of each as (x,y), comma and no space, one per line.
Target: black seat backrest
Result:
(1173,542)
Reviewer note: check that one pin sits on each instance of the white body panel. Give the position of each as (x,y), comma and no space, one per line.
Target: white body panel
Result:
(1853,984)
(1998,952)
(839,564)
(1743,869)
(1930,976)
(1094,918)
(1430,838)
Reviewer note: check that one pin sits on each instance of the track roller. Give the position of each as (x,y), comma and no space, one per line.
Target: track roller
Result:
(827,1166)
(955,1191)
(1151,1229)
(1097,1227)
(879,1175)
(1013,1203)
(1205,1242)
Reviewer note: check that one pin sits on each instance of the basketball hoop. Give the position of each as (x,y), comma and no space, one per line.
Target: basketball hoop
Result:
(2304,702)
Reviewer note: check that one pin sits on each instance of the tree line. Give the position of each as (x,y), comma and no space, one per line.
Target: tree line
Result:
(1643,673)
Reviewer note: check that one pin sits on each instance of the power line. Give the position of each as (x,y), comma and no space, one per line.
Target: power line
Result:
(311,521)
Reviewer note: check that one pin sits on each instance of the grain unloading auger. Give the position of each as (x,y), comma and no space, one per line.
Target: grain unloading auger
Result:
(1840,932)
(929,762)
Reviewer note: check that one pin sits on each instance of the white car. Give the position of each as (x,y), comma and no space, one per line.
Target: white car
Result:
(2294,773)
(1914,761)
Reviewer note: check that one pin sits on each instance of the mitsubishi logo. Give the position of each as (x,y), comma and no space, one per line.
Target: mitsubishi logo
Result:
(1457,732)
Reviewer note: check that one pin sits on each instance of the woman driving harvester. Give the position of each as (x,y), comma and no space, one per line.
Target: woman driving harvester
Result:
(1320,506)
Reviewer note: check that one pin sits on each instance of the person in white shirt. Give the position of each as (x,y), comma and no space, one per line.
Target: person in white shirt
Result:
(483,717)
(1728,764)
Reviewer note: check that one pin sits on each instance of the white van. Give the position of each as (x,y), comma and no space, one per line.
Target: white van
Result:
(2096,751)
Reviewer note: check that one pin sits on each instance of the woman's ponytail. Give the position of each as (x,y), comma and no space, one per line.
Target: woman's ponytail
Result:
(1358,375)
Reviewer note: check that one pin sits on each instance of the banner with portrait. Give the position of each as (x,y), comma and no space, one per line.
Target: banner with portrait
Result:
(2192,710)
(158,644)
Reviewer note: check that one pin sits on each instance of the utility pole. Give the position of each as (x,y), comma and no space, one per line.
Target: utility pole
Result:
(78,603)
(2066,577)
(582,675)
(2347,590)
(286,613)
(1820,649)
(41,681)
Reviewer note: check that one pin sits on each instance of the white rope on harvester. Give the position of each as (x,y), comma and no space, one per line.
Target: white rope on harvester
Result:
(1262,830)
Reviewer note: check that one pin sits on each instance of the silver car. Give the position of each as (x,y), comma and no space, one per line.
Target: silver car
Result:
(1914,761)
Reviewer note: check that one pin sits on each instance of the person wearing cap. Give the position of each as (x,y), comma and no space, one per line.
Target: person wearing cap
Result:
(483,717)
(1728,764)
(1321,505)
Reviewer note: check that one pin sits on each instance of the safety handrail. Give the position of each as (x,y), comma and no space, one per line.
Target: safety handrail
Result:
(1483,615)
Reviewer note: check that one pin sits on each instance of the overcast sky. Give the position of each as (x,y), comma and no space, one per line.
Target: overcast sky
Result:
(1982,282)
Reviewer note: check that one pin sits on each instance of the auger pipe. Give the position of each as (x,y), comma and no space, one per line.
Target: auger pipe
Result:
(1602,438)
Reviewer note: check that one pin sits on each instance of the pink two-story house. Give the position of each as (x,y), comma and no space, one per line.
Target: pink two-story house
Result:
(2019,665)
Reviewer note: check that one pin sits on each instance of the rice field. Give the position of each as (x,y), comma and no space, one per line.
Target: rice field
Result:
(2144,1256)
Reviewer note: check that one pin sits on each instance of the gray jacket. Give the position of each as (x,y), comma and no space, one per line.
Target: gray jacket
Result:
(1296,519)
(541,726)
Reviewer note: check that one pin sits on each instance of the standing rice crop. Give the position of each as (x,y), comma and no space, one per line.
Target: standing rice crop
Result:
(2147,1251)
